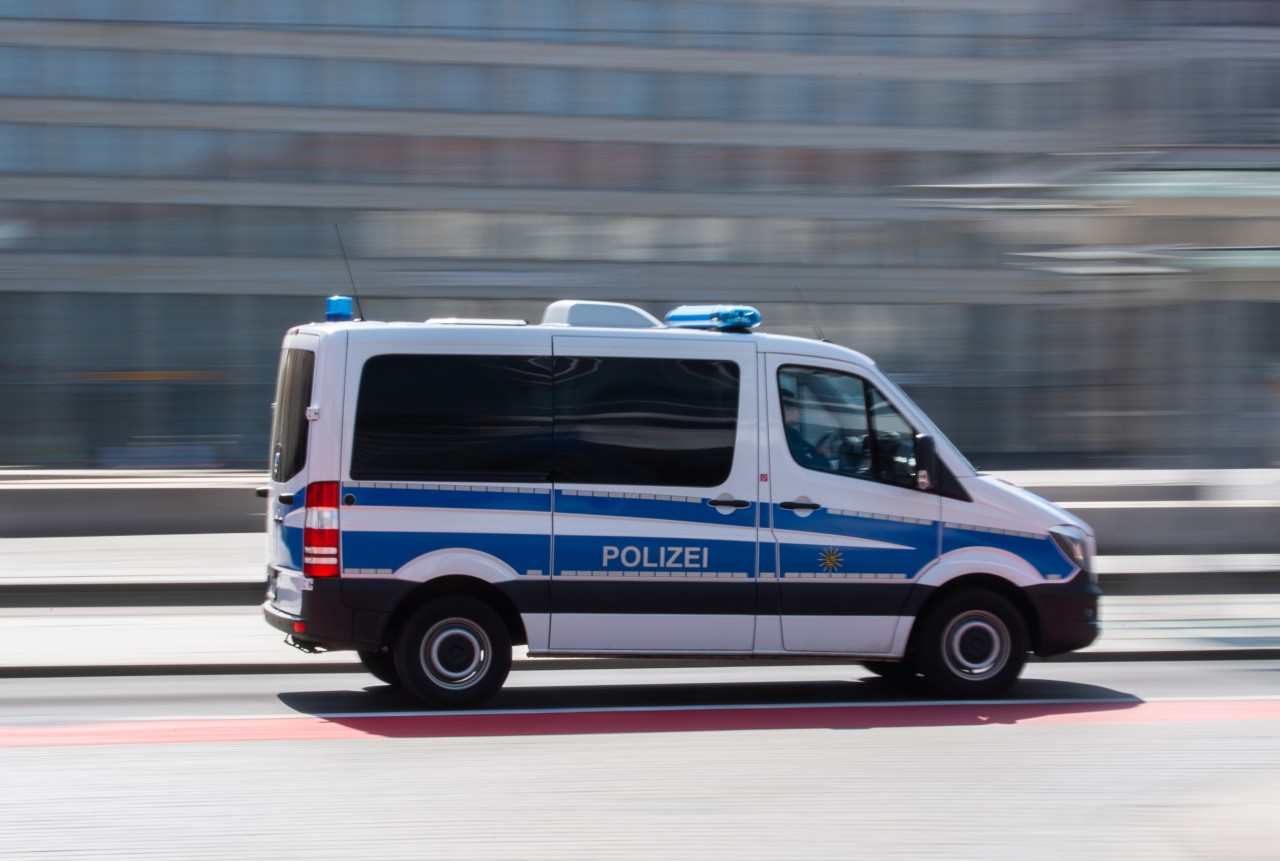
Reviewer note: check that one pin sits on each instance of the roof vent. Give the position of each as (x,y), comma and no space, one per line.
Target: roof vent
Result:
(603,315)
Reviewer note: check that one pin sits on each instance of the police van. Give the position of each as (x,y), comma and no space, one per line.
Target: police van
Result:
(607,484)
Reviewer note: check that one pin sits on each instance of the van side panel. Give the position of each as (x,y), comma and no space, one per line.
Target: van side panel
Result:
(656,494)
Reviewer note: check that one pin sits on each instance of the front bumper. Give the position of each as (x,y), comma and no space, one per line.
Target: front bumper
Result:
(1067,613)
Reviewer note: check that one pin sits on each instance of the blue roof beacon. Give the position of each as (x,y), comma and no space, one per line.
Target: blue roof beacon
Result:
(337,309)
(722,317)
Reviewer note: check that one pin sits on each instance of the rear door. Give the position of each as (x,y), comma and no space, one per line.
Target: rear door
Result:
(656,514)
(852,532)
(288,460)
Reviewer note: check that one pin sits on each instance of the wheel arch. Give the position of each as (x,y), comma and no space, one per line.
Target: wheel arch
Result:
(982,581)
(457,584)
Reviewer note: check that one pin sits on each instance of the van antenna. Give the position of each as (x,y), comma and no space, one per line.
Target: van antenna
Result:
(812,316)
(355,292)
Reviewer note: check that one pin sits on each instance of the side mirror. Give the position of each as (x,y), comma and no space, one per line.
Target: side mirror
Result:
(926,461)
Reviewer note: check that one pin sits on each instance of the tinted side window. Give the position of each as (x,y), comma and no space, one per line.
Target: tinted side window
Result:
(824,415)
(840,423)
(453,418)
(289,425)
(645,421)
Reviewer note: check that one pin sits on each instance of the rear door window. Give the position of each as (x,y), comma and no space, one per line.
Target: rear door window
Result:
(289,425)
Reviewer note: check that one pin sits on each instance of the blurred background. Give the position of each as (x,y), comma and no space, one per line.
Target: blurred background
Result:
(1055,222)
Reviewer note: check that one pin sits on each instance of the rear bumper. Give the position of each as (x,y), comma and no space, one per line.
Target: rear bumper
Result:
(323,619)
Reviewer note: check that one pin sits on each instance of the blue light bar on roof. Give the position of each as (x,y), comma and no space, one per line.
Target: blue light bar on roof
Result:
(713,317)
(337,309)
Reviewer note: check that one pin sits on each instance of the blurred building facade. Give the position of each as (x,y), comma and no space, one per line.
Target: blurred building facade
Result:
(1054,221)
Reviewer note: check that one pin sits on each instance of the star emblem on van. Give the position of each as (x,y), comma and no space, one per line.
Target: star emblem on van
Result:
(830,559)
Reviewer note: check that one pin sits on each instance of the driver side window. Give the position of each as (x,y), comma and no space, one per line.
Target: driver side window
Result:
(840,423)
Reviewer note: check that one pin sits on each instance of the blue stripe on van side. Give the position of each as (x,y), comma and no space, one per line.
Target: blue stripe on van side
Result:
(818,561)
(390,551)
(291,536)
(919,535)
(471,497)
(652,506)
(376,550)
(1039,552)
(670,559)
(806,558)
(293,547)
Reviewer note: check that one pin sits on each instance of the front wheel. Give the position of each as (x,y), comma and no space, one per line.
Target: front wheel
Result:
(453,652)
(972,644)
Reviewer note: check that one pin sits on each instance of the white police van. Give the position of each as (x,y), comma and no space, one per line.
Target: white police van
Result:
(605,484)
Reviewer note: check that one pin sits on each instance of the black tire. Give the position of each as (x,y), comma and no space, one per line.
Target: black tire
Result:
(972,644)
(381,665)
(453,652)
(893,671)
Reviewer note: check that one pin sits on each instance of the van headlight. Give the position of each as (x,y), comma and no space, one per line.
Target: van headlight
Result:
(1074,543)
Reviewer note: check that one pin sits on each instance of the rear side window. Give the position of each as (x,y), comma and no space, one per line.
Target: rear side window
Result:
(645,421)
(453,418)
(289,425)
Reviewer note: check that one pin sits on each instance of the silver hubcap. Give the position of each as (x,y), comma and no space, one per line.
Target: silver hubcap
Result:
(456,653)
(976,645)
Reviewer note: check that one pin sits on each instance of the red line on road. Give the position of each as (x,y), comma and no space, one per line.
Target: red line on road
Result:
(195,731)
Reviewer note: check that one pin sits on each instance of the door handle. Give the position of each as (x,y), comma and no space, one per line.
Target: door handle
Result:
(799,506)
(285,499)
(729,503)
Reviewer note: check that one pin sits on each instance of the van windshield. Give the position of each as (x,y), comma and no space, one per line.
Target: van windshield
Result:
(289,423)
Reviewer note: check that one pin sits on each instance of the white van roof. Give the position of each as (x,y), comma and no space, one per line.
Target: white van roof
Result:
(687,321)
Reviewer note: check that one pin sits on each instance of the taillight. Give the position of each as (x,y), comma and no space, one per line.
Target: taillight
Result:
(320,532)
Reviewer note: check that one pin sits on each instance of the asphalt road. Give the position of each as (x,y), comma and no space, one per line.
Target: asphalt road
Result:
(1168,760)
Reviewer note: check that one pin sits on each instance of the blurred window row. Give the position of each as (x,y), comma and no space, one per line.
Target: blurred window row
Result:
(1201,13)
(472,88)
(885,29)
(88,228)
(108,151)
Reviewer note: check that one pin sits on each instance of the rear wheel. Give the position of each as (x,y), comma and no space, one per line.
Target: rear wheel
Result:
(381,665)
(973,644)
(453,652)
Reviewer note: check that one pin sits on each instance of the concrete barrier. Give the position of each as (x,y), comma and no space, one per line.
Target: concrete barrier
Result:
(41,504)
